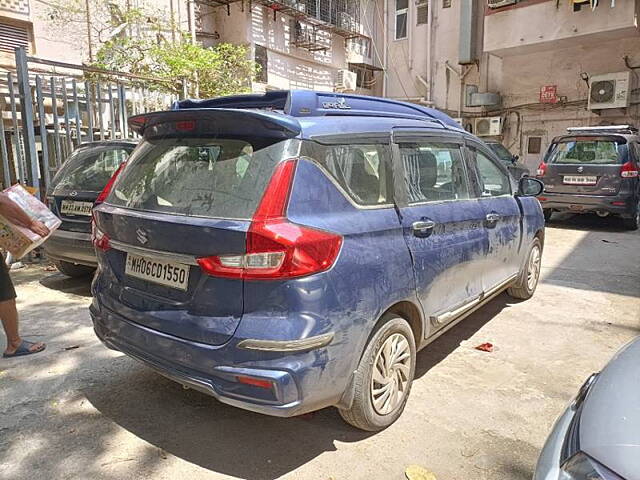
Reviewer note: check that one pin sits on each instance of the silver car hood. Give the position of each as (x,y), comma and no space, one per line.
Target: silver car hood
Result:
(610,420)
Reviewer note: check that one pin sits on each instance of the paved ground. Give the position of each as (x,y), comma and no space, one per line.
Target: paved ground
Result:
(90,413)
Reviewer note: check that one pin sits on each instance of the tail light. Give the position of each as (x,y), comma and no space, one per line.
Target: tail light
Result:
(107,188)
(542,169)
(277,248)
(99,239)
(629,170)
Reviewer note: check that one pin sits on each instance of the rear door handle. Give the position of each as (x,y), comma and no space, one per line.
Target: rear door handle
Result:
(492,218)
(423,228)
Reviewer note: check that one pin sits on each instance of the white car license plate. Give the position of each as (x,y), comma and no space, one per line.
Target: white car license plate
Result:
(174,275)
(580,180)
(74,207)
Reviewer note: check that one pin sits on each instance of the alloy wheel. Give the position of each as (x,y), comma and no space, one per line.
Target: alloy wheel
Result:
(533,268)
(390,375)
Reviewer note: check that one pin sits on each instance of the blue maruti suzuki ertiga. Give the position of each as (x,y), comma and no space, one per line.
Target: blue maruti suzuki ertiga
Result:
(291,251)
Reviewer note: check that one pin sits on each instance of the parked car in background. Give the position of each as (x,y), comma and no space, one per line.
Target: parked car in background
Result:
(598,435)
(517,169)
(257,248)
(593,170)
(71,197)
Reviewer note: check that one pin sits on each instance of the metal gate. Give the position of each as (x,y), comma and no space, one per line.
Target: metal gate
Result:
(48,108)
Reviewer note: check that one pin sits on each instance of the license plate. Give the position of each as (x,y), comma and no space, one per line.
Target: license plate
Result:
(74,207)
(174,275)
(579,180)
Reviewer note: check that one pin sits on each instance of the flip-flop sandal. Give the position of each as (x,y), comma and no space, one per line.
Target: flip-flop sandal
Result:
(23,350)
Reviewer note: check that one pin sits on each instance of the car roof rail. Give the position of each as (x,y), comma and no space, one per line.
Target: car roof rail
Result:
(309,103)
(628,129)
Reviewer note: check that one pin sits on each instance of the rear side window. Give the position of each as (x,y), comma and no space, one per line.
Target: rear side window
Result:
(89,169)
(205,177)
(593,151)
(362,171)
(434,172)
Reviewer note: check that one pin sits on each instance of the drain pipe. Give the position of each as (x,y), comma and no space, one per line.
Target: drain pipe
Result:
(385,26)
(461,76)
(430,30)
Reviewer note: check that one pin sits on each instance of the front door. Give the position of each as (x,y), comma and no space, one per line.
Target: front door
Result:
(502,218)
(442,226)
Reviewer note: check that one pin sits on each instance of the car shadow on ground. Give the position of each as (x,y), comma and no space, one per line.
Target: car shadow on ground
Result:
(200,430)
(77,286)
(587,221)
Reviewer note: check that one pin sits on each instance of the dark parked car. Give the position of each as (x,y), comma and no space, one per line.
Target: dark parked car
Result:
(517,169)
(593,169)
(598,435)
(258,248)
(71,197)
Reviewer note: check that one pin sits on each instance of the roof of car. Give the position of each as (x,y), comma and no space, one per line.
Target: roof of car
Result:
(307,114)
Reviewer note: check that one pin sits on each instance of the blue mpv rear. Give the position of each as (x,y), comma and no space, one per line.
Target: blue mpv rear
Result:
(292,251)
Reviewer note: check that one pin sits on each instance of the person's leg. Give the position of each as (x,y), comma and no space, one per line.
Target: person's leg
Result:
(9,317)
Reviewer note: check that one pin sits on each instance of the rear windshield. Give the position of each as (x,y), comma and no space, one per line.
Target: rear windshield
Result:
(593,151)
(204,177)
(89,169)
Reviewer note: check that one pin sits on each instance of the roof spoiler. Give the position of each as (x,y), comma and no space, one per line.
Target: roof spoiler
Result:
(309,103)
(628,129)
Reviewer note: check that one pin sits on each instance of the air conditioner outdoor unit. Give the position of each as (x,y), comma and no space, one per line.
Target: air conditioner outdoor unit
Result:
(488,126)
(612,90)
(346,81)
(500,3)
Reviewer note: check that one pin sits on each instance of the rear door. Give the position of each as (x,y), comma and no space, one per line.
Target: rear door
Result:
(492,185)
(189,191)
(442,225)
(80,180)
(585,165)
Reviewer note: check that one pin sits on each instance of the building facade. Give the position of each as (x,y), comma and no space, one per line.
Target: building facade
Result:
(518,71)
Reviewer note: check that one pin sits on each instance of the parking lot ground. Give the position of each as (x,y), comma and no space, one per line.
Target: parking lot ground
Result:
(80,411)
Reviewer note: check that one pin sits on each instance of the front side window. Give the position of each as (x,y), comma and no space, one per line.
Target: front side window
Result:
(402,13)
(206,177)
(491,180)
(361,171)
(434,172)
(586,151)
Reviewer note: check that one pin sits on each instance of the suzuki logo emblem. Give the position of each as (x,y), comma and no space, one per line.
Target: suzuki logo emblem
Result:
(141,235)
(580,169)
(73,194)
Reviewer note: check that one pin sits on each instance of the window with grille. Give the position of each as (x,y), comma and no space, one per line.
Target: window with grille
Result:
(422,13)
(13,36)
(402,13)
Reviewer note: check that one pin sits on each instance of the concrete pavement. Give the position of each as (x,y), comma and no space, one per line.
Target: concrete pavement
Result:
(80,411)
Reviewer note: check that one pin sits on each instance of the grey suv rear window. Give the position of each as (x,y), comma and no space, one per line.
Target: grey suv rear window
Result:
(90,168)
(586,151)
(223,178)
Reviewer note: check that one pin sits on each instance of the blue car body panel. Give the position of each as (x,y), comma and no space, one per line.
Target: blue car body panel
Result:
(196,336)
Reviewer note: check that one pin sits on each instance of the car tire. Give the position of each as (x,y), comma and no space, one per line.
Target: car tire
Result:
(527,281)
(547,214)
(73,270)
(634,222)
(372,408)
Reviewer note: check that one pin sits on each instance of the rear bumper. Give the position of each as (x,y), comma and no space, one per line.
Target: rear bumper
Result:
(214,369)
(71,247)
(621,204)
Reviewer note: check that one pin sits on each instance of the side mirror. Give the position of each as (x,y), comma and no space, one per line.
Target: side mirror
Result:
(530,187)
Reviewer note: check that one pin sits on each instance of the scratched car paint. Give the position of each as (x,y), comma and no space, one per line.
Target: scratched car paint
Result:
(323,250)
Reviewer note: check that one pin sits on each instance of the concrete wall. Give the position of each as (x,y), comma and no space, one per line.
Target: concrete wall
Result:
(543,25)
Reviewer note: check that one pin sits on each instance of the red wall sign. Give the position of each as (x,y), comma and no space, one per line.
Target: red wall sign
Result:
(549,94)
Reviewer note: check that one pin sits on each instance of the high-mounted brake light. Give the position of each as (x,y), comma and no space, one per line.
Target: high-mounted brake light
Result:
(629,170)
(277,248)
(107,188)
(542,170)
(185,125)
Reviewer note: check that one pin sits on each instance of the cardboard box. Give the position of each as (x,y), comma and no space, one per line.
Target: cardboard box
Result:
(19,240)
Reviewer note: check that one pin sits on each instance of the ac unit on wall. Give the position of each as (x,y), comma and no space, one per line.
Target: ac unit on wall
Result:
(346,81)
(500,3)
(488,126)
(612,90)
